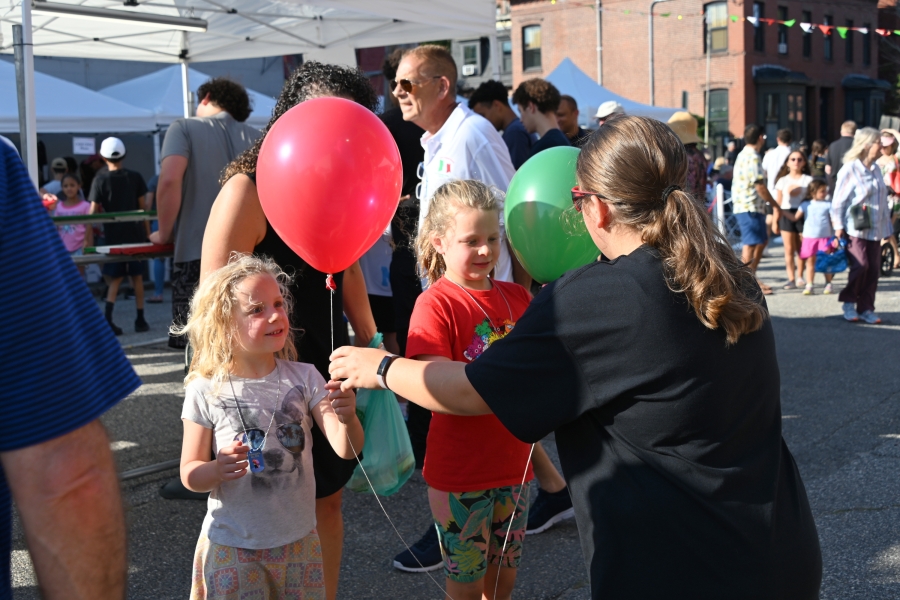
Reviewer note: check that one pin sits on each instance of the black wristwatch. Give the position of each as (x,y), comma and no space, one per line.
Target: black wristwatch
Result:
(383,369)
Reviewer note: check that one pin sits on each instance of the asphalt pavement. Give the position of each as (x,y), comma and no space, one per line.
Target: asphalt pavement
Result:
(841,414)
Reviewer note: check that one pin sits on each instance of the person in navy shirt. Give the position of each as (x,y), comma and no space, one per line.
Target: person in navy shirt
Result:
(55,455)
(538,100)
(491,101)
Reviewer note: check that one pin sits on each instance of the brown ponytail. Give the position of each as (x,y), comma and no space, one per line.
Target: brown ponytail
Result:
(631,161)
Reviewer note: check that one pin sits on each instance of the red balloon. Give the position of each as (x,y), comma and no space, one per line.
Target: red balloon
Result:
(329,179)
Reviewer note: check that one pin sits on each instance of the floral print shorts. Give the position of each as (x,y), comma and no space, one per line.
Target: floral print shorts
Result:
(472,527)
(289,572)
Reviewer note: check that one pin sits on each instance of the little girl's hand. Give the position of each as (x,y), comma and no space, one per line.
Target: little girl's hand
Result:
(231,461)
(343,403)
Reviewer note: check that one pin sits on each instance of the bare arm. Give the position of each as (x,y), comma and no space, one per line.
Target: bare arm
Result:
(356,305)
(198,472)
(168,196)
(438,386)
(336,417)
(763,191)
(67,494)
(236,223)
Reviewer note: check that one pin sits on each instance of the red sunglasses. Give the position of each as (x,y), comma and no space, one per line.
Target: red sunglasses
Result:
(578,196)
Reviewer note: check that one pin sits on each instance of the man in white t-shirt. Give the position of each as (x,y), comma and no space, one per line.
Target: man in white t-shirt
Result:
(458,143)
(775,158)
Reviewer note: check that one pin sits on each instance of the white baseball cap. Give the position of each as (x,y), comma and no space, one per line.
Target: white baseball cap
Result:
(112,148)
(609,108)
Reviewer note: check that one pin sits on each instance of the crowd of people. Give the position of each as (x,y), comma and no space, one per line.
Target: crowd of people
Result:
(811,197)
(477,352)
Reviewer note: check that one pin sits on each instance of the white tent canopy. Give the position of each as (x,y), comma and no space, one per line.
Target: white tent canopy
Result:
(589,94)
(161,93)
(64,107)
(326,30)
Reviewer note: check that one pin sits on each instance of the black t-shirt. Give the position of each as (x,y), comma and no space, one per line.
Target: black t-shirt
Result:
(551,139)
(119,191)
(312,302)
(669,440)
(836,152)
(408,137)
(580,137)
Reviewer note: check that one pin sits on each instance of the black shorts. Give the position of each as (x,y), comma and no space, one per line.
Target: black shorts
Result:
(383,311)
(135,268)
(330,470)
(788,226)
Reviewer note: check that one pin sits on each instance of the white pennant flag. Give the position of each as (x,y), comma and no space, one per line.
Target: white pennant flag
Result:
(806,27)
(754,21)
(863,30)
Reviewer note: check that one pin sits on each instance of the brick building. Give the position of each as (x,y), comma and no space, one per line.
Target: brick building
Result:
(771,74)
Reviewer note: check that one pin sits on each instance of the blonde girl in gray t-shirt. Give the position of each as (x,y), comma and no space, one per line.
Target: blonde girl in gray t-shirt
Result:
(251,405)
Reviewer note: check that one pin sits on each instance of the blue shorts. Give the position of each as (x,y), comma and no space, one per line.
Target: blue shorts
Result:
(753,228)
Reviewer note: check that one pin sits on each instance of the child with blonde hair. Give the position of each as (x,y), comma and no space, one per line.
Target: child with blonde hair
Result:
(248,403)
(474,466)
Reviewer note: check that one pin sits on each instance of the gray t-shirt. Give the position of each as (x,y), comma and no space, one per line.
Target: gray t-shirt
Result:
(209,144)
(276,506)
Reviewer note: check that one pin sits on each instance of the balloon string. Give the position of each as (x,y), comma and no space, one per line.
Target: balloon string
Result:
(511,519)
(330,286)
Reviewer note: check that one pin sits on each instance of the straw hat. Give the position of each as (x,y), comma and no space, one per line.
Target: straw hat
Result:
(685,127)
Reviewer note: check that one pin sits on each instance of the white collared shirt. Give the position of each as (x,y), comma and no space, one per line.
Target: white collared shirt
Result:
(467,147)
(857,184)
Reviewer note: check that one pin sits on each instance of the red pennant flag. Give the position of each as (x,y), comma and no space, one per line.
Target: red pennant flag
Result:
(826,29)
(884,32)
(768,21)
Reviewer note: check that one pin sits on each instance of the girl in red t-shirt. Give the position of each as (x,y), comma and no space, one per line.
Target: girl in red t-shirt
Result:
(474,467)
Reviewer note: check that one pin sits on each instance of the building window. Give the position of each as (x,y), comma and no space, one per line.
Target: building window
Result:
(470,62)
(782,30)
(867,45)
(716,27)
(829,38)
(759,34)
(848,42)
(796,115)
(531,47)
(718,113)
(506,49)
(684,100)
(807,35)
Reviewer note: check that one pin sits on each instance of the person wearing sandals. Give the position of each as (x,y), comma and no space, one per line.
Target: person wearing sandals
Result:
(861,184)
(791,184)
(749,196)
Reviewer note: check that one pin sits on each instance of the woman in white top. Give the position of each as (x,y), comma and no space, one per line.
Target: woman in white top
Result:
(860,183)
(889,164)
(790,190)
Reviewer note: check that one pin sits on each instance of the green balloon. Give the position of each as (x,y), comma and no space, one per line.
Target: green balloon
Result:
(547,238)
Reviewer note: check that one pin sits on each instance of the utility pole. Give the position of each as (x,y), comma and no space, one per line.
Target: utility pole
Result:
(652,91)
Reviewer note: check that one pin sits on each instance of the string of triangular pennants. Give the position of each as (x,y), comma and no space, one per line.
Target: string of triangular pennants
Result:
(757,21)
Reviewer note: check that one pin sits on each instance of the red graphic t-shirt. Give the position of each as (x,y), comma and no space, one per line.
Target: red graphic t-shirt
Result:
(466,454)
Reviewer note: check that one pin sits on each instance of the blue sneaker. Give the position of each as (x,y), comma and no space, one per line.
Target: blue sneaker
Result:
(425,555)
(548,510)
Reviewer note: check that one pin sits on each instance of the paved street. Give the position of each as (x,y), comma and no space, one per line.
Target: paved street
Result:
(841,411)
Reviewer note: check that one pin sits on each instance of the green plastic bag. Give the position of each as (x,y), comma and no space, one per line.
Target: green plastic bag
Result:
(387,453)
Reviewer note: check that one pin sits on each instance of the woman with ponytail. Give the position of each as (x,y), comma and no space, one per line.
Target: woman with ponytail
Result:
(656,367)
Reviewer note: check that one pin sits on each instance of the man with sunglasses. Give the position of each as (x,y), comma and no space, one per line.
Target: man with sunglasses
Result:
(459,144)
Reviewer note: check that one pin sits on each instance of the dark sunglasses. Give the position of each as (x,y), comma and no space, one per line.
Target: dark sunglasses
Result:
(407,85)
(290,435)
(578,196)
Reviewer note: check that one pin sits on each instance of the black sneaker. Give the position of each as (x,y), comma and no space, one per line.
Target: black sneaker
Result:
(425,555)
(548,510)
(115,329)
(140,325)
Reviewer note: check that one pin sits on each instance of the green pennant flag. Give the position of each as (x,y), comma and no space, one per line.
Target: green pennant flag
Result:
(665,14)
(897,32)
(843,32)
(790,23)
(627,11)
(734,18)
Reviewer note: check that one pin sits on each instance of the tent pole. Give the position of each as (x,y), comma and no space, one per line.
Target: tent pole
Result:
(156,152)
(24,57)
(186,88)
